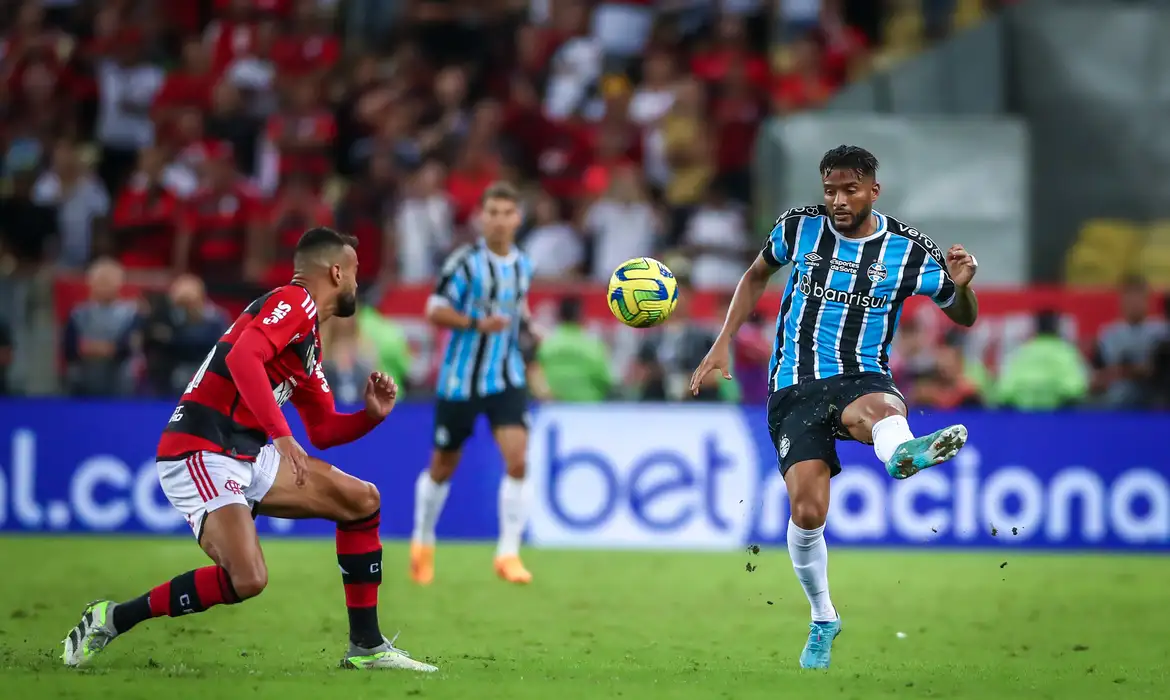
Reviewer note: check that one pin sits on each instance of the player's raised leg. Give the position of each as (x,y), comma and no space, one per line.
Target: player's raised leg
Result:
(513,443)
(228,535)
(355,506)
(880,419)
(808,497)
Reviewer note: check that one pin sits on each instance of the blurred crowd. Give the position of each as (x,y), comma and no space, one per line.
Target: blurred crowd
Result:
(182,147)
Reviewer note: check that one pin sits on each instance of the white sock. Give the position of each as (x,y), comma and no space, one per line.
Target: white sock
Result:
(429,498)
(888,435)
(810,560)
(513,515)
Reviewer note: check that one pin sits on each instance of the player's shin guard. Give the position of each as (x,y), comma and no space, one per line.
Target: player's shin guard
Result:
(359,554)
(192,592)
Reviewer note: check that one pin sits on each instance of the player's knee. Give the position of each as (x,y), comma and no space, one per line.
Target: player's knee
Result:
(249,579)
(365,500)
(809,513)
(443,466)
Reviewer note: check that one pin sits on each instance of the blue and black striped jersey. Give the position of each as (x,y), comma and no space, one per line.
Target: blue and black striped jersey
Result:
(845,296)
(479,283)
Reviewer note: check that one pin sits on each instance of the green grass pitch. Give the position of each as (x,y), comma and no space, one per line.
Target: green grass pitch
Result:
(604,625)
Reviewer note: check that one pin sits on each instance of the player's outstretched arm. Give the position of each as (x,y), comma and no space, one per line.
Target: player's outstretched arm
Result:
(747,296)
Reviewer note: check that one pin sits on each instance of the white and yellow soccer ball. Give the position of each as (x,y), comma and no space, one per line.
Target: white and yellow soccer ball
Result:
(642,292)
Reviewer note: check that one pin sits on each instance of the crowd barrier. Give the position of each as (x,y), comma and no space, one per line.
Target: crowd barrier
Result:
(642,476)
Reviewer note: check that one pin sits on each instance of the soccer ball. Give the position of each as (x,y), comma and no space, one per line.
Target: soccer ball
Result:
(642,292)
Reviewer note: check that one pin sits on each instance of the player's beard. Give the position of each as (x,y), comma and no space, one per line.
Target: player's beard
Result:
(346,305)
(857,221)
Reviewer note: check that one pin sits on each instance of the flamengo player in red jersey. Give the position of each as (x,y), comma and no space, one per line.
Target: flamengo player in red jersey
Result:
(217,467)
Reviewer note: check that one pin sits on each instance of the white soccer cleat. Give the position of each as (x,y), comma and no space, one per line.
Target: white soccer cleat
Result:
(90,636)
(385,656)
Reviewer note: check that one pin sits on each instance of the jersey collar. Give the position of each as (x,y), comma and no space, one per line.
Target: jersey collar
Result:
(502,259)
(880,231)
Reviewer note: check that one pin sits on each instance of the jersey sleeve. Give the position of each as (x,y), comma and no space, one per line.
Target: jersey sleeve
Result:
(454,280)
(286,316)
(326,427)
(935,281)
(781,242)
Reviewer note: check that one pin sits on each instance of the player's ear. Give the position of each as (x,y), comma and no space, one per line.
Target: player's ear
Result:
(877,190)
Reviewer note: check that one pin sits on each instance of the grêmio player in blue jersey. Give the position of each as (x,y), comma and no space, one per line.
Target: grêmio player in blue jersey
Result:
(853,268)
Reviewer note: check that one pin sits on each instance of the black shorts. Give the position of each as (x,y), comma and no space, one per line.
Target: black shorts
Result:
(455,420)
(804,420)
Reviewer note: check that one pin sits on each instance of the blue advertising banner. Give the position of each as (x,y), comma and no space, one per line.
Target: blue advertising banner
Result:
(641,476)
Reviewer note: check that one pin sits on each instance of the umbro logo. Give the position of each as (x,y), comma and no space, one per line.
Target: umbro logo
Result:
(812,258)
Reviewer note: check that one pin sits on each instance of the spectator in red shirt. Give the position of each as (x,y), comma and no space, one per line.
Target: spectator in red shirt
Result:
(189,86)
(805,84)
(310,48)
(364,212)
(296,209)
(231,36)
(298,139)
(221,225)
(476,169)
(736,116)
(731,44)
(143,227)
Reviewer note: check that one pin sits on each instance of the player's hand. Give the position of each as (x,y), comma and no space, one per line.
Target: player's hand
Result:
(493,324)
(962,265)
(717,359)
(381,393)
(291,452)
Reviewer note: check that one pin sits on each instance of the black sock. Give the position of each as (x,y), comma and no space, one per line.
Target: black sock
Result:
(130,613)
(363,627)
(359,554)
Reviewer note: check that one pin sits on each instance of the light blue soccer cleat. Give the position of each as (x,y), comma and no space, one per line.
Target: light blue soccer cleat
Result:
(819,647)
(924,452)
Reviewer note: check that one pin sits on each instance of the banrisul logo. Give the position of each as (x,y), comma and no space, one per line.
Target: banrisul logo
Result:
(630,476)
(815,290)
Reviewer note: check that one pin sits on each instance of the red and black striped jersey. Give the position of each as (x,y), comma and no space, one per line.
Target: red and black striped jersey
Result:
(212,415)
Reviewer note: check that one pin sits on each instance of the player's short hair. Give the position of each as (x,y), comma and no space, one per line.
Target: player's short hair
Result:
(501,190)
(854,158)
(320,240)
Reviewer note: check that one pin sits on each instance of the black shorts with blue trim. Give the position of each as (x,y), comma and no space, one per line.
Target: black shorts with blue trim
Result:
(804,420)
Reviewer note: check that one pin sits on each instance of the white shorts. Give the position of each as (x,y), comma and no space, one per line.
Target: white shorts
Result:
(208,481)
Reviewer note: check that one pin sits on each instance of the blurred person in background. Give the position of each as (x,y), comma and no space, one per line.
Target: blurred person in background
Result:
(297,139)
(221,227)
(688,153)
(1123,357)
(1160,381)
(666,357)
(804,83)
(913,354)
(142,228)
(387,339)
(576,65)
(82,204)
(716,241)
(230,122)
(575,362)
(423,225)
(297,208)
(739,108)
(127,86)
(178,331)
(349,359)
(555,247)
(101,336)
(1045,373)
(189,86)
(364,211)
(28,229)
(621,225)
(947,386)
(751,352)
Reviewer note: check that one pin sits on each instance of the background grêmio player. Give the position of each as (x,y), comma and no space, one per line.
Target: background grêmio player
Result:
(217,467)
(481,298)
(853,268)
